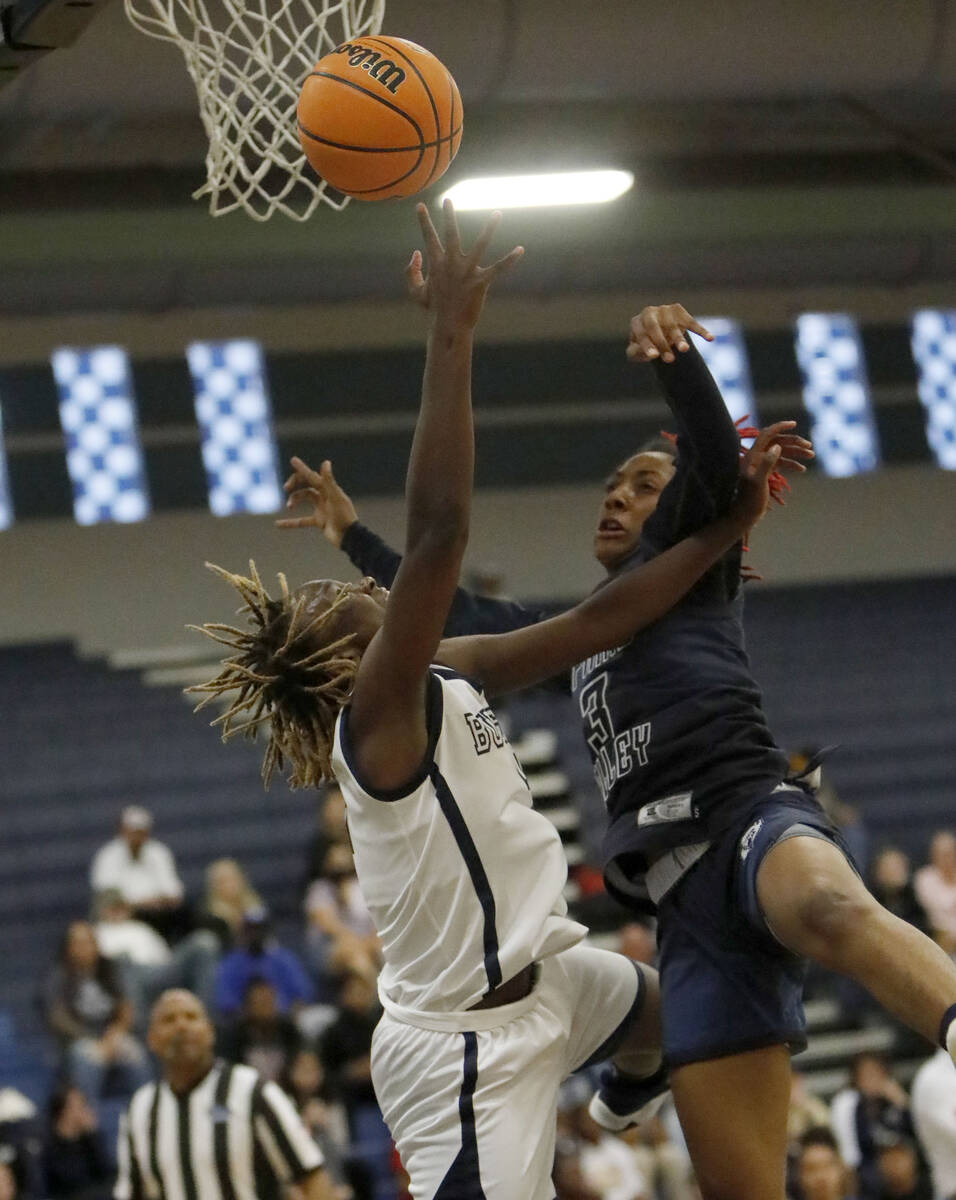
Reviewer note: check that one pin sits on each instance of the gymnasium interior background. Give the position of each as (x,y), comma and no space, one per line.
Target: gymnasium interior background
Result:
(790,160)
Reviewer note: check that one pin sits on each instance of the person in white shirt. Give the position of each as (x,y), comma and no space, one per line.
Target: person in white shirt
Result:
(136,865)
(933,1105)
(145,961)
(607,1164)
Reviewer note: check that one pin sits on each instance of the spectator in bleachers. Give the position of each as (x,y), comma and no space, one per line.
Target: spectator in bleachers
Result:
(262,1037)
(227,898)
(936,888)
(341,937)
(21,1143)
(146,964)
(607,1165)
(873,1111)
(346,1050)
(898,1172)
(89,1013)
(934,1116)
(806,1111)
(326,1119)
(569,1181)
(664,1165)
(891,882)
(259,956)
(76,1163)
(9,1188)
(330,830)
(821,1172)
(143,870)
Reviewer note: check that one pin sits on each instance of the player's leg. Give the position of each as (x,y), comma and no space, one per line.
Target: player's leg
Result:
(733,1112)
(634,1086)
(816,905)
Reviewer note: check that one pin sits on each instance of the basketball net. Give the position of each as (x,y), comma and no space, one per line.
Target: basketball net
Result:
(248,60)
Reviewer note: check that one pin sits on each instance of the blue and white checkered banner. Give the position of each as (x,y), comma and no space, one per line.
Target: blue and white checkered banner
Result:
(836,393)
(235,419)
(103,455)
(726,359)
(6,505)
(934,350)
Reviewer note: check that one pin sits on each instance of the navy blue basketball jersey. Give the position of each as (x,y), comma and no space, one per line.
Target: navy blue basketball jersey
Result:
(673,720)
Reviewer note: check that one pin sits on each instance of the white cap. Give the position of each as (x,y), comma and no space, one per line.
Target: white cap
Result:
(136,817)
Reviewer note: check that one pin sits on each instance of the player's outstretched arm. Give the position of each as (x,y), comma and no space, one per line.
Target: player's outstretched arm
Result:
(387,724)
(614,613)
(334,515)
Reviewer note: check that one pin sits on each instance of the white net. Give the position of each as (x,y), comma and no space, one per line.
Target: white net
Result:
(248,60)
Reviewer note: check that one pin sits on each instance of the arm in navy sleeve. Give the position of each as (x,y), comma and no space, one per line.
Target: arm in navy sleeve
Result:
(707,467)
(469,613)
(708,452)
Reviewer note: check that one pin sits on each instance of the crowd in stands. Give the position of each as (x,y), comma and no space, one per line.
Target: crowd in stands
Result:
(302,1011)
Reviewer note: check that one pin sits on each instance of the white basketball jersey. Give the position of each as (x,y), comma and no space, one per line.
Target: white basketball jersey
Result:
(464,880)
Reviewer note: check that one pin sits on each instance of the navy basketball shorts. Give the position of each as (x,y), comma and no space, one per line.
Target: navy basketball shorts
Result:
(727,985)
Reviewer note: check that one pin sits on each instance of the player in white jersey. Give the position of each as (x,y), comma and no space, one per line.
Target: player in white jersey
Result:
(490,1000)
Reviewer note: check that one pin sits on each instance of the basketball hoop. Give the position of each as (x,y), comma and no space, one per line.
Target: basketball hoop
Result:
(248,59)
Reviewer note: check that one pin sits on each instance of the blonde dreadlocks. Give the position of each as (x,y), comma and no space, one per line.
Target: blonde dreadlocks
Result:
(279,677)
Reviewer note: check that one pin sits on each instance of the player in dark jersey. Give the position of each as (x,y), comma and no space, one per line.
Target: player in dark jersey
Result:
(748,876)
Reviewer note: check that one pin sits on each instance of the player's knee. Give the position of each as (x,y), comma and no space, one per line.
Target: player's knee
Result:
(828,915)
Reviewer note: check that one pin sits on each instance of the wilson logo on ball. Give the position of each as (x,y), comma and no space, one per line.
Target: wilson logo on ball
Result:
(389,74)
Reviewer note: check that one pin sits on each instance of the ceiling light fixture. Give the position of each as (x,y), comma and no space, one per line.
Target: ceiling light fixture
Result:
(539,191)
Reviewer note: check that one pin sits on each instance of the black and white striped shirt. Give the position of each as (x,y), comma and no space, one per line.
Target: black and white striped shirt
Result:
(234,1136)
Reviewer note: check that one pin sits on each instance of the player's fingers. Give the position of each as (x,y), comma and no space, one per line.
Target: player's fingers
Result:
(304,470)
(674,333)
(304,495)
(770,433)
(483,240)
(429,233)
(294,522)
(452,236)
(506,263)
(790,464)
(642,349)
(651,328)
(695,326)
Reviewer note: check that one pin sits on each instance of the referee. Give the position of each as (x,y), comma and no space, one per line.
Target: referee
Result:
(210,1130)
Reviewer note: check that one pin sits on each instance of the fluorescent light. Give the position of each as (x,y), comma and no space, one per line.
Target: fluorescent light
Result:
(539,191)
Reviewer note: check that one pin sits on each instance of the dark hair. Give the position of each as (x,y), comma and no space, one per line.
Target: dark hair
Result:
(819,1135)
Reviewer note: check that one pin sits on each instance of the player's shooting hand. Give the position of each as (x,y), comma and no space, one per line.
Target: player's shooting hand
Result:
(659,330)
(454,288)
(331,509)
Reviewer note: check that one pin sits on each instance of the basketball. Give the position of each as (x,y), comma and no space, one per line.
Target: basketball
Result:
(379,117)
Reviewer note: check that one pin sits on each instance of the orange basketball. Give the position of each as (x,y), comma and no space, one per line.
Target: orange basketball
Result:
(379,117)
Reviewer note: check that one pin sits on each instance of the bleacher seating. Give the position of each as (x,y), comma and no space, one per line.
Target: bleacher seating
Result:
(872,667)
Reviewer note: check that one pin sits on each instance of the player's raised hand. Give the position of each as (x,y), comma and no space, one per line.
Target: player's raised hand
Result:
(331,509)
(659,330)
(793,447)
(753,493)
(450,283)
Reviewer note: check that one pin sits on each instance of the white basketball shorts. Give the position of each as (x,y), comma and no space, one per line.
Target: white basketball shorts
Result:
(471,1097)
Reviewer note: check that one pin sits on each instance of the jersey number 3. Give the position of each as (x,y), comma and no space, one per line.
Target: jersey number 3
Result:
(613,754)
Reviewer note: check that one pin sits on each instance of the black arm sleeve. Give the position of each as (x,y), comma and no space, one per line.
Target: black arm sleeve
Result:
(469,614)
(707,467)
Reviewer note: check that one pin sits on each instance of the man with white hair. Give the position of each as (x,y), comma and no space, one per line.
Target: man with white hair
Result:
(141,869)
